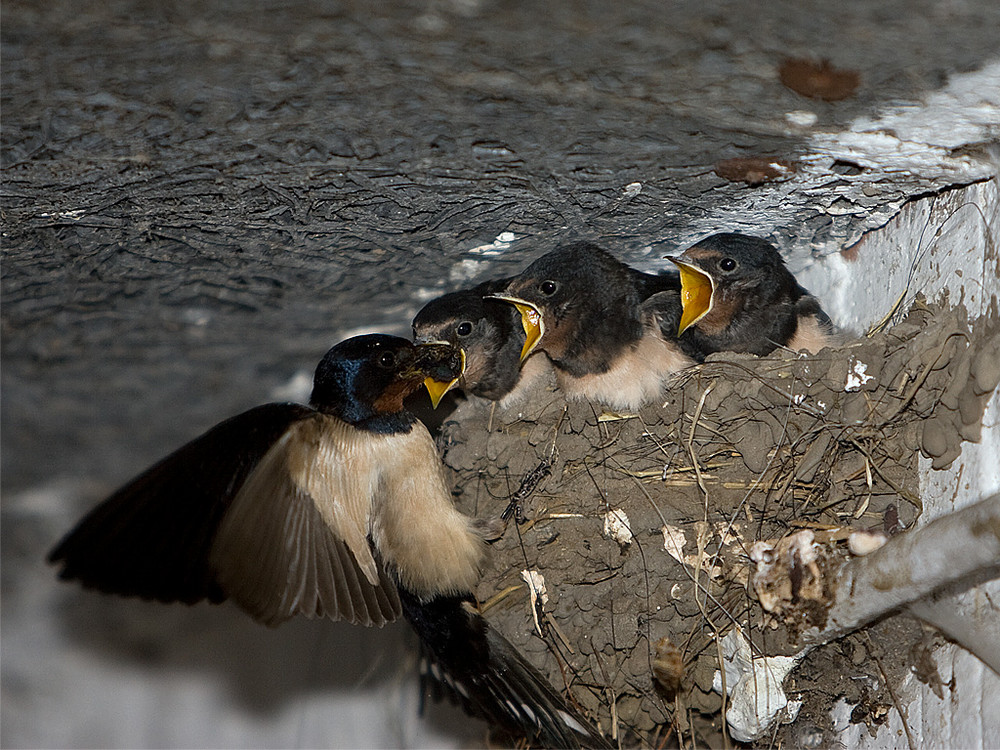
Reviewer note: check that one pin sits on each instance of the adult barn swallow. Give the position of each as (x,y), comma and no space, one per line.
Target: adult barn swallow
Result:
(609,329)
(337,509)
(274,508)
(737,295)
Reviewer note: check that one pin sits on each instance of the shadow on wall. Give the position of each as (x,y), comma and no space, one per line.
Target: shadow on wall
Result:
(263,668)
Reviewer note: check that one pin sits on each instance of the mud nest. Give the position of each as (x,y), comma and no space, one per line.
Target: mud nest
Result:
(629,557)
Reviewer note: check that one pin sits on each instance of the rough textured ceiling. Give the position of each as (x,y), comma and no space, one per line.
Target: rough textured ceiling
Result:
(197,204)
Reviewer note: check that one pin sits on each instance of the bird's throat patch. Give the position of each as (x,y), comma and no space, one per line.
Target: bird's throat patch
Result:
(390,400)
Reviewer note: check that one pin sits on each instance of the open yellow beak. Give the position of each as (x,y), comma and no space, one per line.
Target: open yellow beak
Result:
(531,321)
(697,293)
(437,388)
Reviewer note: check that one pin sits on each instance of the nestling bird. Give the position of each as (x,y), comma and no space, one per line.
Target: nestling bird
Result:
(490,335)
(337,509)
(609,329)
(737,295)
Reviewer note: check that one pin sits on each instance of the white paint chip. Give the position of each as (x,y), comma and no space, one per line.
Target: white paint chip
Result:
(536,584)
(536,590)
(72,215)
(925,139)
(466,270)
(792,710)
(673,543)
(501,243)
(801,118)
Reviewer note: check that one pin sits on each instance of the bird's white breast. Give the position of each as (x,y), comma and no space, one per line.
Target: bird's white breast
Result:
(636,379)
(415,525)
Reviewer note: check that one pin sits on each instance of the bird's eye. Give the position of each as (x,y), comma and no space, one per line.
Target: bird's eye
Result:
(464,328)
(727,264)
(548,288)
(387,360)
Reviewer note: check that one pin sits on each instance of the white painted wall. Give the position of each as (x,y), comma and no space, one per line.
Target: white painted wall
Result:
(941,246)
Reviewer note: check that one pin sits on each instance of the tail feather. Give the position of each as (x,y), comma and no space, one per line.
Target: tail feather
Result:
(474,666)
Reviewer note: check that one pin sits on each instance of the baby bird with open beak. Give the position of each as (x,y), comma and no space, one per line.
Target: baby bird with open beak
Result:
(490,336)
(737,295)
(609,329)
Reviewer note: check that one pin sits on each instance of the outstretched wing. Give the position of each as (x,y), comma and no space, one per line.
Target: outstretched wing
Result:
(164,535)
(152,537)
(295,539)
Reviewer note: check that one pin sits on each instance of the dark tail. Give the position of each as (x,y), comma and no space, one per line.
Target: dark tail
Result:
(474,666)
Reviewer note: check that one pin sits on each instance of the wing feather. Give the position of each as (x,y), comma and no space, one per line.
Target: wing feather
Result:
(339,467)
(224,517)
(331,587)
(473,665)
(274,539)
(152,537)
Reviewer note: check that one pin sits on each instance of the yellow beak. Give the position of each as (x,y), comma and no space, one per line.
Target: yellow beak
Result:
(697,293)
(437,388)
(531,321)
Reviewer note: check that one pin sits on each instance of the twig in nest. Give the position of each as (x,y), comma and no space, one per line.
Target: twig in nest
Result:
(892,693)
(690,443)
(649,498)
(498,597)
(725,692)
(612,701)
(554,626)
(915,501)
(878,327)
(756,376)
(528,484)
(757,480)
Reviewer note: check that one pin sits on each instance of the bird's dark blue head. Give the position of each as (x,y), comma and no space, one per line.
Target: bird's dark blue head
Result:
(363,380)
